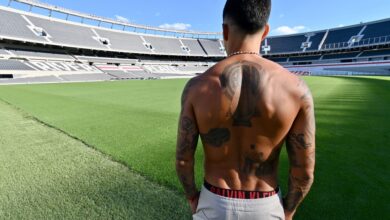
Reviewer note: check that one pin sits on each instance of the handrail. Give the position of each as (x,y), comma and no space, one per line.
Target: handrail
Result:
(363,42)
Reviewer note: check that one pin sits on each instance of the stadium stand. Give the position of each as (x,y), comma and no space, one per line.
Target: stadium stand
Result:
(13,65)
(4,52)
(41,55)
(36,49)
(165,45)
(106,60)
(304,58)
(278,59)
(84,77)
(66,33)
(342,35)
(316,40)
(116,74)
(374,53)
(15,26)
(193,69)
(212,47)
(194,47)
(341,55)
(286,44)
(37,79)
(377,30)
(126,72)
(123,41)
(78,35)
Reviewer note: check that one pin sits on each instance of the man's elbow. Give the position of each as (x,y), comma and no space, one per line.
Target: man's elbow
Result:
(308,177)
(305,175)
(183,163)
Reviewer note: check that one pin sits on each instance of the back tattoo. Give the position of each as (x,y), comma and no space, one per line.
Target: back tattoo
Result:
(243,80)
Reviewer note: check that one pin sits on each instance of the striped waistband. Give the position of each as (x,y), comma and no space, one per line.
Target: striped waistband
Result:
(239,194)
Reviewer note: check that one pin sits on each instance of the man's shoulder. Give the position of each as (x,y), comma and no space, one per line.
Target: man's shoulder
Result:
(288,81)
(205,77)
(216,69)
(276,68)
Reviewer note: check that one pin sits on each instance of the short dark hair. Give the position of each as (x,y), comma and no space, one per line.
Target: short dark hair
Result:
(249,15)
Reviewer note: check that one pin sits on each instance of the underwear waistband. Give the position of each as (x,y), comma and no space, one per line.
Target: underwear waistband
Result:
(239,194)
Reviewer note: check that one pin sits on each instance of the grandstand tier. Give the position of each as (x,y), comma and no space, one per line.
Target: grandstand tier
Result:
(43,49)
(376,30)
(315,39)
(342,34)
(285,45)
(24,26)
(365,34)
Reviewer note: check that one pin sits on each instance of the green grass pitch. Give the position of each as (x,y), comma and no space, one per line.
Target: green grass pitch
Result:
(47,170)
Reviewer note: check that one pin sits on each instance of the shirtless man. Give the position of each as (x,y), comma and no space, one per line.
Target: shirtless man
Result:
(244,109)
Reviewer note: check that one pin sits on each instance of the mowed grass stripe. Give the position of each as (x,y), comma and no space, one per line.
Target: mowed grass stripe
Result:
(353,127)
(135,122)
(44,174)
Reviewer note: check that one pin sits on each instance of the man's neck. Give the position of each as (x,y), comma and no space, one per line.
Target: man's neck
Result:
(244,46)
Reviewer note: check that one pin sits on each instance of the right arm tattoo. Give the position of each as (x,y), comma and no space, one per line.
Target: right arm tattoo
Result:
(300,144)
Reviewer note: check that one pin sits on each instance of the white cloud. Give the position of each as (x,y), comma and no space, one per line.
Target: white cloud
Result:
(341,25)
(121,18)
(284,30)
(176,26)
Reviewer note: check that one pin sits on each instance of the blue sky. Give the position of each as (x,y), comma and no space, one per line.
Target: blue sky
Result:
(288,16)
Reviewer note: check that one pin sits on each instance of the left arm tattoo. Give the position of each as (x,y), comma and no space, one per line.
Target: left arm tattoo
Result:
(187,141)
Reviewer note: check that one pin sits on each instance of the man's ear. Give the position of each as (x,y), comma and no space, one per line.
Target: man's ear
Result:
(266,32)
(225,28)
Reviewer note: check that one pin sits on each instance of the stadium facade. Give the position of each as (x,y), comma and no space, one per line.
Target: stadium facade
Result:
(43,49)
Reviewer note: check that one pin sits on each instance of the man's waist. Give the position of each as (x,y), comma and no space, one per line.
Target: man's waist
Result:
(240,194)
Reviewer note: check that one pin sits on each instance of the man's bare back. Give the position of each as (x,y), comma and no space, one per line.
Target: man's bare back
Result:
(244,109)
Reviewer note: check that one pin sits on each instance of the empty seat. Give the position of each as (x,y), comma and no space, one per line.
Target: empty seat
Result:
(68,34)
(379,29)
(124,41)
(286,44)
(316,40)
(212,47)
(14,26)
(342,35)
(194,46)
(13,65)
(166,45)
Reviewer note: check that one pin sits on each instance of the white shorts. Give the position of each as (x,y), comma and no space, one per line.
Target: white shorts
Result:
(212,206)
